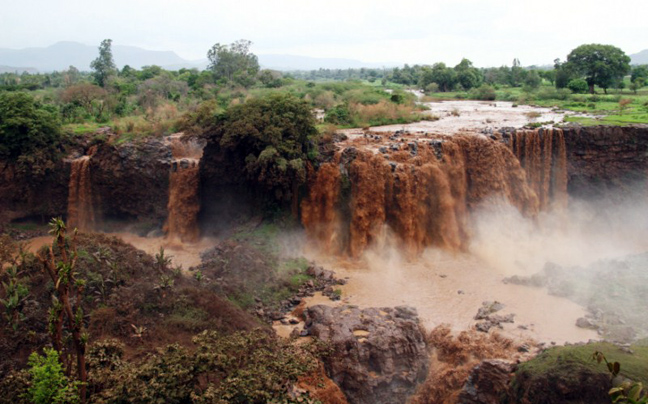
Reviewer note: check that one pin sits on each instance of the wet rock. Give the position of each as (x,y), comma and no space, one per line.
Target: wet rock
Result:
(487,382)
(380,354)
(487,309)
(583,322)
(413,148)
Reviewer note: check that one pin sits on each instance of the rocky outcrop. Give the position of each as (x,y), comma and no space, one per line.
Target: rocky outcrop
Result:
(28,194)
(604,158)
(379,355)
(487,383)
(131,180)
(224,195)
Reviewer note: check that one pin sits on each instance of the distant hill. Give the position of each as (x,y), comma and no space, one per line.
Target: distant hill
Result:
(640,58)
(62,55)
(294,62)
(19,70)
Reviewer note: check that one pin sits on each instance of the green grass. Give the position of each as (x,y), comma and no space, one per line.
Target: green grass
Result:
(80,129)
(563,359)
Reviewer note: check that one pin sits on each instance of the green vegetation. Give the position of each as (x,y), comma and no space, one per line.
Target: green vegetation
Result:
(49,385)
(29,133)
(104,65)
(601,65)
(562,360)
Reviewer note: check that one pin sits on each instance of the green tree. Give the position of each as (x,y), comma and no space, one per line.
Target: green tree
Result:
(26,127)
(639,72)
(269,139)
(532,79)
(467,75)
(104,65)
(601,65)
(234,62)
(637,83)
(444,76)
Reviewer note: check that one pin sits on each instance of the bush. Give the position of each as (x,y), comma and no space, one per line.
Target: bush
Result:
(26,127)
(578,86)
(484,92)
(49,385)
(432,88)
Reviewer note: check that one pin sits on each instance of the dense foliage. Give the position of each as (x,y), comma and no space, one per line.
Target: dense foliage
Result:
(268,138)
(602,65)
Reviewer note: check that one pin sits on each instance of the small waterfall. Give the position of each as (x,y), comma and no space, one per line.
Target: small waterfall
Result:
(184,179)
(543,155)
(81,213)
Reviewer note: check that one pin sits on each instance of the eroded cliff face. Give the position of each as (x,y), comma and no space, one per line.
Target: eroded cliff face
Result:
(604,159)
(27,195)
(422,191)
(131,180)
(224,196)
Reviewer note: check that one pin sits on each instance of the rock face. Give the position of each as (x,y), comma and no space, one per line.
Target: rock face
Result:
(487,383)
(26,195)
(603,158)
(224,197)
(131,180)
(380,355)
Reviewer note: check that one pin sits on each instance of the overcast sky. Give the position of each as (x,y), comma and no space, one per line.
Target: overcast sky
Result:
(488,32)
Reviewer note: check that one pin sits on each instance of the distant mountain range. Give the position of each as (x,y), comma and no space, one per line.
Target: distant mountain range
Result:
(62,55)
(640,58)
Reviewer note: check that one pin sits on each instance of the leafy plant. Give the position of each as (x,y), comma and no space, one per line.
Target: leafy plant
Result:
(628,392)
(16,294)
(162,261)
(60,264)
(49,385)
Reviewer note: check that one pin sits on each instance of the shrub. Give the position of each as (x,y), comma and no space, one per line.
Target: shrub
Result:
(484,92)
(26,127)
(49,385)
(578,86)
(432,88)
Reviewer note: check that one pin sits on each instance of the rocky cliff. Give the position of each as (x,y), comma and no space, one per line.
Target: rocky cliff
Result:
(606,158)
(131,180)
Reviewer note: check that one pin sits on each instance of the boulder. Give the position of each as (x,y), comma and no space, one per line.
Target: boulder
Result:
(379,354)
(487,382)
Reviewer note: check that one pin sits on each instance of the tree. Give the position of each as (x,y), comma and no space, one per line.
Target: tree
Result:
(269,139)
(234,62)
(639,72)
(444,76)
(637,83)
(532,79)
(601,65)
(60,264)
(84,95)
(467,75)
(104,65)
(26,127)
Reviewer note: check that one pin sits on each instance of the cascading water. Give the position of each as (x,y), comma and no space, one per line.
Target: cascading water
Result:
(184,179)
(422,193)
(543,155)
(81,211)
